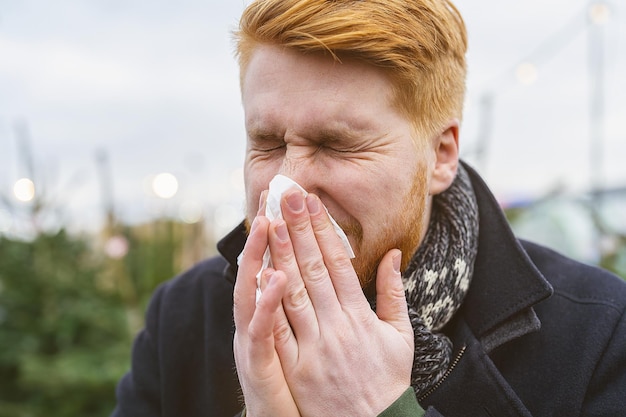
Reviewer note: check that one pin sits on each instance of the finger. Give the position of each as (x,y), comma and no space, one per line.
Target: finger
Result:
(310,261)
(296,302)
(284,339)
(343,277)
(391,304)
(261,329)
(244,295)
(263,380)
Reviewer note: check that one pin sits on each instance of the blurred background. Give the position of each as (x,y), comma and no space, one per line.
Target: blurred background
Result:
(121,144)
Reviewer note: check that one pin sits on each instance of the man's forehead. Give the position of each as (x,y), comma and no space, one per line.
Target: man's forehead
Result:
(267,61)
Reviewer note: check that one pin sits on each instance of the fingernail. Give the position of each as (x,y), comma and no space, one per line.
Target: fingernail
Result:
(397,259)
(313,204)
(281,232)
(262,201)
(254,225)
(295,201)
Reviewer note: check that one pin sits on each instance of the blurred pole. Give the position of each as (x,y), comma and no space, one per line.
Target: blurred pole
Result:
(27,163)
(598,15)
(485,129)
(106,190)
(25,151)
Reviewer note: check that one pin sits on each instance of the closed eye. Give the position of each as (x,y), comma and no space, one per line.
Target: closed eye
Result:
(265,142)
(271,149)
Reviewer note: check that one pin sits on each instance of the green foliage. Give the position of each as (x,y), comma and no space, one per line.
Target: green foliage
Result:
(68,315)
(63,341)
(614,258)
(550,226)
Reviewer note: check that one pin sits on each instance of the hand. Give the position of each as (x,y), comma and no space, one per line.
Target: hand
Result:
(260,374)
(338,356)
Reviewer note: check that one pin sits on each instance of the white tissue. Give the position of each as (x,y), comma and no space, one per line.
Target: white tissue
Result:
(278,186)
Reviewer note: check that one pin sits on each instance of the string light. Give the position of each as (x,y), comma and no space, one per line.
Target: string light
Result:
(165,185)
(526,73)
(190,212)
(116,247)
(599,13)
(24,190)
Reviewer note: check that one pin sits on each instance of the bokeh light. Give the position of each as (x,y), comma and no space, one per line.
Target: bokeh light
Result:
(165,185)
(225,217)
(527,73)
(116,247)
(24,189)
(599,13)
(190,212)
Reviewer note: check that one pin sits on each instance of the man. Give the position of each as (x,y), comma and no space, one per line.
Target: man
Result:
(442,311)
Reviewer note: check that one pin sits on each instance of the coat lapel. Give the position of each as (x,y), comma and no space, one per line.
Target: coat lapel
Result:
(506,284)
(497,309)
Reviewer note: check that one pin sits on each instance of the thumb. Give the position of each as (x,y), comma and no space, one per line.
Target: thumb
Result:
(391,304)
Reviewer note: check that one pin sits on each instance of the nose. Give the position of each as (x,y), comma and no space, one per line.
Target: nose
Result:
(299,165)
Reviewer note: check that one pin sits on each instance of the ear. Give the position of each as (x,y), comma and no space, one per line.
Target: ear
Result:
(446,147)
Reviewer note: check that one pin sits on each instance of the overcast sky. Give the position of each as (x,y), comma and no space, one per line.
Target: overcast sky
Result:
(154,85)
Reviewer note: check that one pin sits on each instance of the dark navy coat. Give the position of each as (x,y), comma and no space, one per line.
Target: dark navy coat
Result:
(537,335)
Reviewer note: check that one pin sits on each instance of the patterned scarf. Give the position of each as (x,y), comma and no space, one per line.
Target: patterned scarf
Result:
(438,277)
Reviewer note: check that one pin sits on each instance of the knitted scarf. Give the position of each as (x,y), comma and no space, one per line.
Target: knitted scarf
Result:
(438,277)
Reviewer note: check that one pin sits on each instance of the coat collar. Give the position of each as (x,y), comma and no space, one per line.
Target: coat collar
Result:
(505,282)
(231,245)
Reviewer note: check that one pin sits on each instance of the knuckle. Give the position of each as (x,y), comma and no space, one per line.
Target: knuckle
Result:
(397,293)
(315,271)
(282,257)
(282,331)
(309,375)
(254,335)
(300,227)
(323,226)
(298,298)
(339,259)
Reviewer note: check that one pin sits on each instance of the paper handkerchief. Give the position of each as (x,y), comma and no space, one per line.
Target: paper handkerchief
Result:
(278,186)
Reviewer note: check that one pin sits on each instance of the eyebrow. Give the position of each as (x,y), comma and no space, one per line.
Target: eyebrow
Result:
(342,132)
(260,133)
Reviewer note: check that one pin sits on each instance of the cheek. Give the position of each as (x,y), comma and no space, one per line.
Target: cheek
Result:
(388,197)
(253,193)
(257,177)
(364,192)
